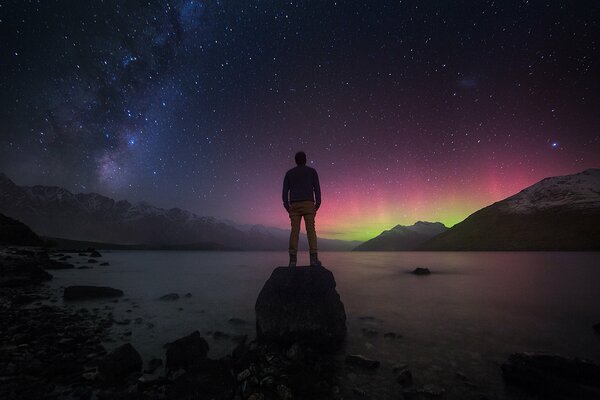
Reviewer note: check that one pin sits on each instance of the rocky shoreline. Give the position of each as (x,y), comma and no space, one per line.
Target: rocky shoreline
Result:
(55,352)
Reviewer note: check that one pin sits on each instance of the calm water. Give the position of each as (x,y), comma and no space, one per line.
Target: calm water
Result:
(467,316)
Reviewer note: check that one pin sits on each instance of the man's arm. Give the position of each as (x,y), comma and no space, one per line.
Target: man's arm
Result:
(286,189)
(317,189)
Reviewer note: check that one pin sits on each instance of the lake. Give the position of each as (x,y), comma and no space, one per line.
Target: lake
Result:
(467,316)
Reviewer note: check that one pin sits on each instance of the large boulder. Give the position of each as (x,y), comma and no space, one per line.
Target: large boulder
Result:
(553,376)
(90,292)
(187,353)
(300,305)
(120,363)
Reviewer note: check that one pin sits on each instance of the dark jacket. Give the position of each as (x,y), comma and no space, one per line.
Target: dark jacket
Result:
(300,182)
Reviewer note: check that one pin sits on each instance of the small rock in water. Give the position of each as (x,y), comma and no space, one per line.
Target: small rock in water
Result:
(236,321)
(219,335)
(367,318)
(421,271)
(90,292)
(169,297)
(370,333)
(92,261)
(361,361)
(431,390)
(95,254)
(188,295)
(104,264)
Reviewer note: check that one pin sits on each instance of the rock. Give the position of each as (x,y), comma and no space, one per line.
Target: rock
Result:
(169,297)
(391,335)
(553,375)
(92,261)
(84,267)
(421,271)
(212,382)
(90,292)
(188,295)
(295,352)
(300,305)
(256,396)
(121,362)
(104,264)
(153,365)
(284,392)
(245,374)
(188,352)
(404,377)
(597,328)
(431,390)
(95,254)
(363,362)
(370,333)
(217,335)
(53,264)
(22,273)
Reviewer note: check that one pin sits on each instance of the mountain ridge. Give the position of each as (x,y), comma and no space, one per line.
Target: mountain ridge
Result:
(556,213)
(52,211)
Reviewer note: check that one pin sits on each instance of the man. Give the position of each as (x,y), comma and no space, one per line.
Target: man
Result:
(299,185)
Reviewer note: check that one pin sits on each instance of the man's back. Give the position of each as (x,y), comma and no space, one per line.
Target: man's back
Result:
(301,182)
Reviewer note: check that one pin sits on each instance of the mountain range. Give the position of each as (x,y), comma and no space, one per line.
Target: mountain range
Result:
(403,237)
(557,213)
(55,212)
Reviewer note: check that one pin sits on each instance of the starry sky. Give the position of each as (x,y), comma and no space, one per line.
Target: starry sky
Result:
(409,110)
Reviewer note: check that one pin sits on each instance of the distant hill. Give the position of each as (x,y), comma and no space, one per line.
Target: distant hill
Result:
(403,237)
(13,232)
(79,244)
(57,213)
(558,213)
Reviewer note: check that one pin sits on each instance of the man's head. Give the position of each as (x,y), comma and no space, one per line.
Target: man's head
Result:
(300,158)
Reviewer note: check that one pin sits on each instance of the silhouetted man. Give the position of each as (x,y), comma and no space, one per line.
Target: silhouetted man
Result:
(302,198)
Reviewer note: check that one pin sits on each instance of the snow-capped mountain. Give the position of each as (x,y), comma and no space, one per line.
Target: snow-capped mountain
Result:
(578,191)
(56,212)
(558,213)
(403,237)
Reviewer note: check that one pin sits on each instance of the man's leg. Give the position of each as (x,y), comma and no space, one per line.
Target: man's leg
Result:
(309,222)
(295,218)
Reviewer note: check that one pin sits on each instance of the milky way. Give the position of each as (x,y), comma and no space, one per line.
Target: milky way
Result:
(409,110)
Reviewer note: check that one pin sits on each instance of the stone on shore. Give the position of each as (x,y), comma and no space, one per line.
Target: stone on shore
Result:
(95,254)
(187,353)
(553,375)
(421,271)
(301,305)
(361,361)
(120,363)
(90,292)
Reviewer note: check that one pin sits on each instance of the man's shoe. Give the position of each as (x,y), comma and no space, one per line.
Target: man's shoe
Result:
(293,260)
(314,260)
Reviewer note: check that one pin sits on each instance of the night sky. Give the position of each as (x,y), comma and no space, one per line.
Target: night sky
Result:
(409,110)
